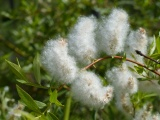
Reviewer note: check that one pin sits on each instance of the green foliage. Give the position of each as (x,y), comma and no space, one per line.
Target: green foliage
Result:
(53,98)
(25,27)
(28,100)
(16,69)
(36,69)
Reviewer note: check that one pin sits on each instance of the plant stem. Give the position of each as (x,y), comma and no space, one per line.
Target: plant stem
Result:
(141,54)
(120,57)
(67,107)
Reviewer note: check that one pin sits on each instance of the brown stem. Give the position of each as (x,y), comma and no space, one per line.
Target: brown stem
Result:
(120,57)
(141,54)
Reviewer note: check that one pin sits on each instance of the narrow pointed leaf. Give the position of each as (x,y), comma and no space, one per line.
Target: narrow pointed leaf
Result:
(51,116)
(40,104)
(18,62)
(17,70)
(28,100)
(58,103)
(31,84)
(22,81)
(124,57)
(152,46)
(158,44)
(36,69)
(150,95)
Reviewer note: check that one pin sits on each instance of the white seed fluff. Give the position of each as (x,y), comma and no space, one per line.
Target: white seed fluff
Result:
(137,40)
(82,40)
(56,60)
(122,80)
(88,90)
(143,114)
(112,32)
(124,104)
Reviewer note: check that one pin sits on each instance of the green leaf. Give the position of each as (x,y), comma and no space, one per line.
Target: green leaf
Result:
(31,84)
(51,116)
(155,56)
(149,95)
(152,46)
(158,44)
(36,68)
(40,104)
(42,117)
(159,82)
(28,100)
(124,57)
(133,56)
(17,71)
(36,85)
(58,103)
(18,62)
(22,81)
(53,98)
(139,69)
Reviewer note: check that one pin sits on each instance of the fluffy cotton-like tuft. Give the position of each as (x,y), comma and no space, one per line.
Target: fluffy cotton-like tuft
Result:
(89,91)
(156,116)
(137,40)
(145,114)
(82,40)
(122,79)
(112,32)
(56,60)
(123,102)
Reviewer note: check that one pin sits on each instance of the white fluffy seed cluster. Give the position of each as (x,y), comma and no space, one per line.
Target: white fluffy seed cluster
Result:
(145,114)
(122,79)
(124,103)
(56,60)
(86,86)
(137,40)
(82,40)
(87,40)
(88,89)
(124,84)
(112,32)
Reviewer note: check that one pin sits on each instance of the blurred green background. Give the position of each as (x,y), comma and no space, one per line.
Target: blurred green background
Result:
(25,26)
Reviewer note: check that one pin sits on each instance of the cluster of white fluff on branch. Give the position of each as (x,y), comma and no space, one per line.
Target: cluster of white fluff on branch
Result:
(63,58)
(86,86)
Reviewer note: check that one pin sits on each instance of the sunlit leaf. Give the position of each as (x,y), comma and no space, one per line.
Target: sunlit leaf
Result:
(158,44)
(28,100)
(139,69)
(152,46)
(53,98)
(40,104)
(17,71)
(155,56)
(149,95)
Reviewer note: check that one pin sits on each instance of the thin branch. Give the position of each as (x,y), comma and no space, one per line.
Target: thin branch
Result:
(120,57)
(141,54)
(13,47)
